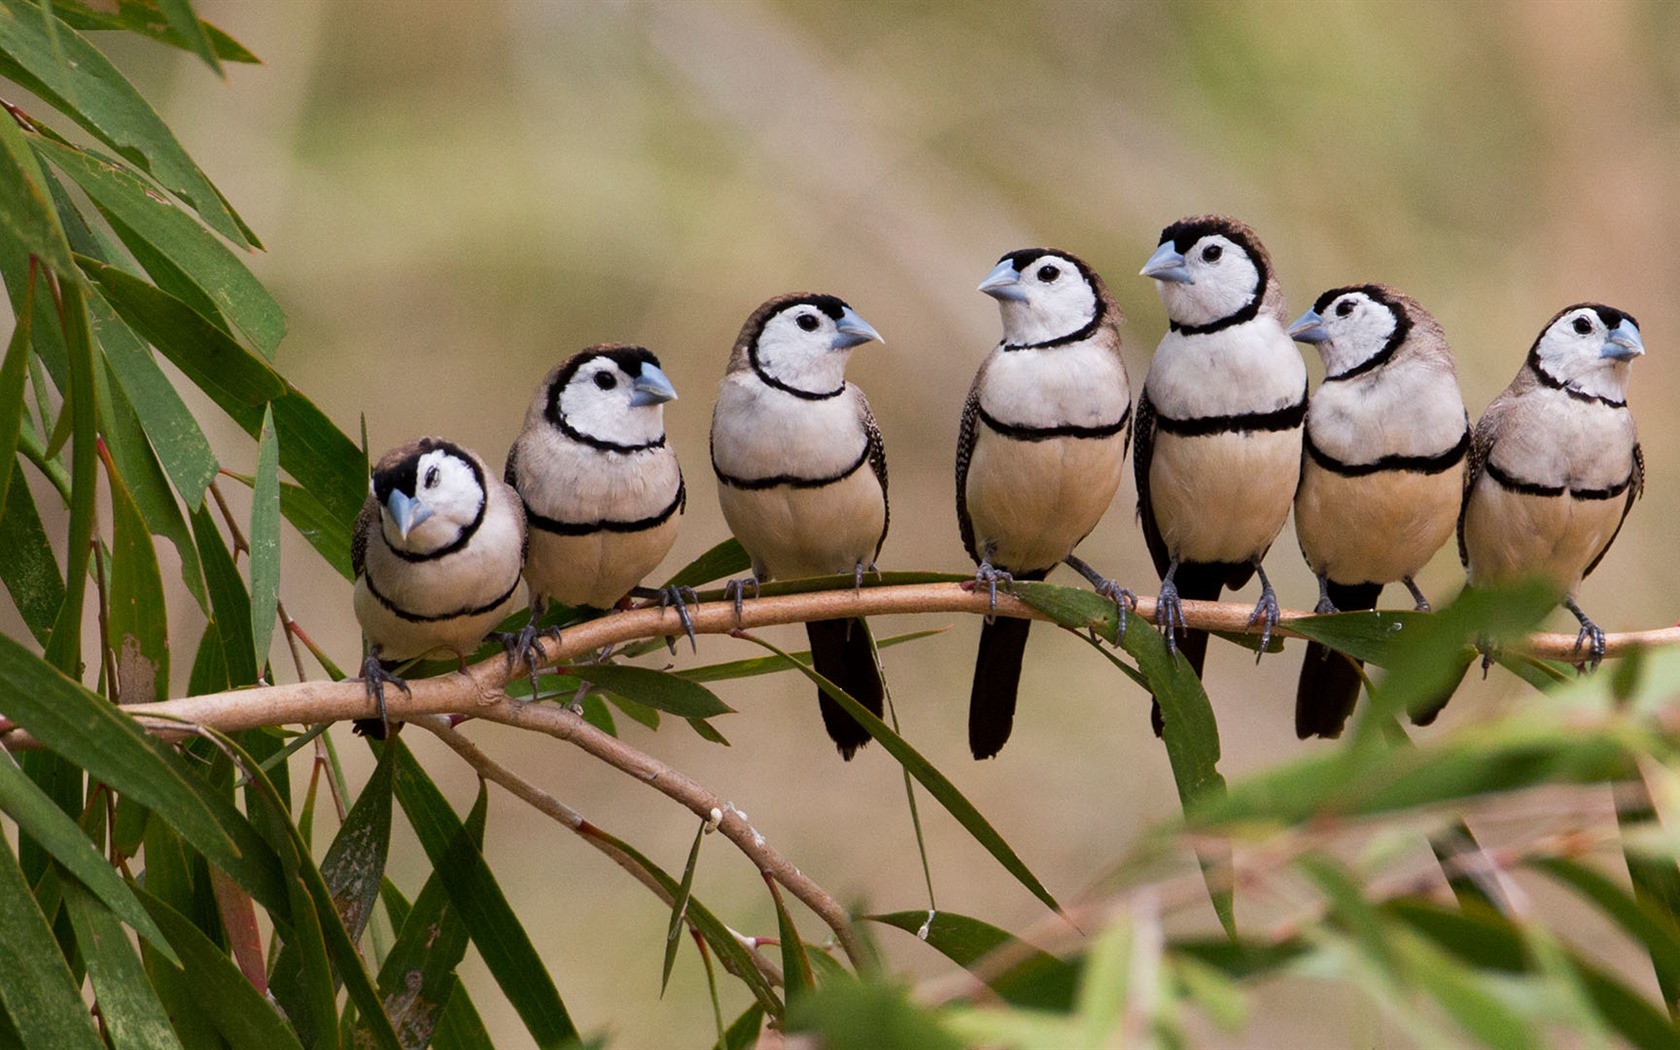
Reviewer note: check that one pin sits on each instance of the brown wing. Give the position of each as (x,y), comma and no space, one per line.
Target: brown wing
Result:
(966,434)
(1143,450)
(1481,446)
(878,463)
(1636,488)
(367,519)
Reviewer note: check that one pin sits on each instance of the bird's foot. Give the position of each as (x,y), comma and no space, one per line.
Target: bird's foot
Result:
(525,646)
(860,570)
(1325,607)
(735,591)
(674,595)
(1267,612)
(988,576)
(1591,638)
(1422,603)
(1169,614)
(1122,597)
(375,677)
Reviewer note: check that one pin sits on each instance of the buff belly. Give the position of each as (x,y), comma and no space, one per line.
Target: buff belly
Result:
(1223,497)
(1031,502)
(1376,528)
(1511,535)
(794,532)
(598,568)
(402,639)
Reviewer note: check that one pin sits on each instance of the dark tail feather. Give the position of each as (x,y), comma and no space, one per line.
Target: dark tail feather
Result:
(997,676)
(1194,583)
(1329,684)
(841,652)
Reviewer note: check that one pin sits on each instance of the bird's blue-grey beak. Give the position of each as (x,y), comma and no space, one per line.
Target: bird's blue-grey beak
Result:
(1004,282)
(852,330)
(651,387)
(1167,265)
(1623,343)
(1309,328)
(406,511)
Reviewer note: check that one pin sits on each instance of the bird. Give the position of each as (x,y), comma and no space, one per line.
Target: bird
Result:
(601,489)
(1556,465)
(1382,480)
(802,477)
(1041,452)
(437,550)
(1218,446)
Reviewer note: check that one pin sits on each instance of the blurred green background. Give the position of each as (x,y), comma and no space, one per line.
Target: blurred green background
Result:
(456,195)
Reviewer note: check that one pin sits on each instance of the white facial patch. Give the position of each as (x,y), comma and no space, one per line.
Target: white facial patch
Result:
(1224,280)
(1359,328)
(796,347)
(1572,352)
(1059,301)
(596,403)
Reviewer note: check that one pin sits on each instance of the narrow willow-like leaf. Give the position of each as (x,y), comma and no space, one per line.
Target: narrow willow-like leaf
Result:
(127,1002)
(742,1033)
(726,559)
(59,65)
(501,940)
(265,541)
(187,27)
(38,991)
(64,648)
(936,783)
(325,532)
(27,216)
(29,569)
(230,604)
(354,867)
(147,20)
(873,1015)
(797,977)
(679,906)
(418,979)
(238,1012)
(461,1028)
(1019,973)
(1642,920)
(13,372)
(655,689)
(760,665)
(36,815)
(138,632)
(229,373)
(1656,884)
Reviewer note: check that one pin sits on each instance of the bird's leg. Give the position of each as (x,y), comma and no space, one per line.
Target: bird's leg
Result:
(375,677)
(1591,636)
(858,571)
(735,590)
(1266,611)
(1325,606)
(525,645)
(1120,596)
(679,597)
(1417,595)
(988,575)
(1169,610)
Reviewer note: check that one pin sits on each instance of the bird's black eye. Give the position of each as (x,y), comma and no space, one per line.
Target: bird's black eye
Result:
(1582,326)
(605,380)
(431,477)
(807,321)
(1212,253)
(1048,273)
(1344,308)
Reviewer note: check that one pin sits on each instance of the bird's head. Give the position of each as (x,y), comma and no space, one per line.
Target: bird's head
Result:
(1355,328)
(1588,347)
(1208,270)
(428,491)
(611,392)
(804,341)
(1044,294)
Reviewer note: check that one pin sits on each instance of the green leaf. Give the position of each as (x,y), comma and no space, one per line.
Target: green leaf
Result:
(418,981)
(1019,973)
(138,630)
(760,665)
(1656,881)
(265,540)
(27,216)
(58,64)
(502,942)
(146,18)
(679,906)
(233,376)
(937,785)
(238,1011)
(743,1031)
(1643,920)
(12,375)
(655,689)
(182,257)
(354,867)
(187,27)
(230,605)
(129,1006)
(797,977)
(726,559)
(37,816)
(38,992)
(869,1015)
(64,648)
(30,569)
(328,534)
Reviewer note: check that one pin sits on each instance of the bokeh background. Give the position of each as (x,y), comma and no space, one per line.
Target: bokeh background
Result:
(456,195)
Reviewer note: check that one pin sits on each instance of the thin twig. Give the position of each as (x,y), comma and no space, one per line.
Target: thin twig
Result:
(239,543)
(572,820)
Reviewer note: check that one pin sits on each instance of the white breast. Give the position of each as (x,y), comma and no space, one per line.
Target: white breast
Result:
(760,432)
(1082,384)
(1388,412)
(1252,367)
